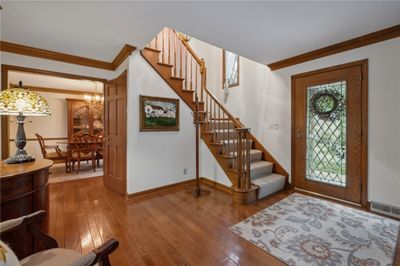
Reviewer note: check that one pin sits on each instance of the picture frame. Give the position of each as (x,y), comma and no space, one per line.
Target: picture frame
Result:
(158,113)
(230,68)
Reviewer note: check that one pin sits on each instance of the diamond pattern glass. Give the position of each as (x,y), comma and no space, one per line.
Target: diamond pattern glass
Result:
(326,133)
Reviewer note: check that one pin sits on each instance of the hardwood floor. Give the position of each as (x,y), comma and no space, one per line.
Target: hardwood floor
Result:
(166,228)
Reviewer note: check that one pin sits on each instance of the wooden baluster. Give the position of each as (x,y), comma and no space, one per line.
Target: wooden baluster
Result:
(186,69)
(210,117)
(239,161)
(205,116)
(215,121)
(180,59)
(169,45)
(209,113)
(156,41)
(243,144)
(174,54)
(195,71)
(248,163)
(203,72)
(191,70)
(163,50)
(219,119)
(244,147)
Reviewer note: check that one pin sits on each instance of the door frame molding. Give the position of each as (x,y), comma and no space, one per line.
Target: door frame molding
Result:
(364,122)
(5,128)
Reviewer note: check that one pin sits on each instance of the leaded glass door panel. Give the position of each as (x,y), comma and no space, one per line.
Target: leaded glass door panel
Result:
(327,132)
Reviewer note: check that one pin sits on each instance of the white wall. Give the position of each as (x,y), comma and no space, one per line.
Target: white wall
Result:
(54,126)
(263,102)
(156,158)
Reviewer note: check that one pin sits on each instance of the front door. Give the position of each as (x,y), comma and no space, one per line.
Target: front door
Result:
(329,132)
(115,119)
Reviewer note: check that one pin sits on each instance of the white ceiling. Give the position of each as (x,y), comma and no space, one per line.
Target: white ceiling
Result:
(262,31)
(46,81)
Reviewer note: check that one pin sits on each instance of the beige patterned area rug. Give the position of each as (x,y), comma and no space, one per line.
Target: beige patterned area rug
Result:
(58,174)
(301,230)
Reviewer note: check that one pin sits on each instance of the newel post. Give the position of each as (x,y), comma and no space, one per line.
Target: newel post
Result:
(243,159)
(243,191)
(203,72)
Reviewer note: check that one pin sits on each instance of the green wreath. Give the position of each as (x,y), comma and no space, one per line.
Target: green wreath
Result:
(327,105)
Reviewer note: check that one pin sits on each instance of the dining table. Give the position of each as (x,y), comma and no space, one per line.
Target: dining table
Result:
(70,142)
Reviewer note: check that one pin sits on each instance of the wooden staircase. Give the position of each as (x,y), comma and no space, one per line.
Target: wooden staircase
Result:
(253,171)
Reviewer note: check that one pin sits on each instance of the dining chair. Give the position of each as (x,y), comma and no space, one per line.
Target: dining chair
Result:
(82,148)
(58,156)
(99,147)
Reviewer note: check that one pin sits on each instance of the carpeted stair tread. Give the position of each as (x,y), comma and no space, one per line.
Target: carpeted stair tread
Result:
(269,184)
(255,155)
(260,169)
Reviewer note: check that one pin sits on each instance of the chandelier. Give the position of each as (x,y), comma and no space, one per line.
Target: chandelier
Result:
(96,99)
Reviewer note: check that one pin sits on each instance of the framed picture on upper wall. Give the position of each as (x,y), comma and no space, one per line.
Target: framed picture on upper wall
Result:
(230,69)
(159,114)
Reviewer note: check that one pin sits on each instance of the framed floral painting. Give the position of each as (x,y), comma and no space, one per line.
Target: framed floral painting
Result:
(159,114)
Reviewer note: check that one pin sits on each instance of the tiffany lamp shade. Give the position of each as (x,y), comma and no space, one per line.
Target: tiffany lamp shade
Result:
(21,102)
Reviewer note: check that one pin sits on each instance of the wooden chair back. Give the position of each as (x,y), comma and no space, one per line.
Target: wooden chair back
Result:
(84,143)
(99,141)
(42,145)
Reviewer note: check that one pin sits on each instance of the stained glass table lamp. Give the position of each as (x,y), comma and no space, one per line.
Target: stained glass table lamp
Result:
(22,102)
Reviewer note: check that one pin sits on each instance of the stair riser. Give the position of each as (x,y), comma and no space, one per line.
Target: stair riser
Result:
(270,188)
(261,171)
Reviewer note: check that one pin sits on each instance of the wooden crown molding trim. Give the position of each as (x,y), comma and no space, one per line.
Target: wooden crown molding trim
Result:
(67,58)
(54,90)
(6,68)
(56,56)
(126,51)
(368,39)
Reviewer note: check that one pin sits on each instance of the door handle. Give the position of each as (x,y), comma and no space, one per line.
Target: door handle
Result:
(299,135)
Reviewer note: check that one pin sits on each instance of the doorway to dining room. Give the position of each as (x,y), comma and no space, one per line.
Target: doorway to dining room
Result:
(72,137)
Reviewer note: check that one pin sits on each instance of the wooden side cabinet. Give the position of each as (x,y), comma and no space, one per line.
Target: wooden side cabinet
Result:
(24,190)
(84,117)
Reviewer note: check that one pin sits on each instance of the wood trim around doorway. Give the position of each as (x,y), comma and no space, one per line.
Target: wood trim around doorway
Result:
(15,48)
(5,126)
(364,121)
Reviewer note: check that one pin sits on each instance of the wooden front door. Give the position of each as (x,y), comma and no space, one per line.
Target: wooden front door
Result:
(115,114)
(329,132)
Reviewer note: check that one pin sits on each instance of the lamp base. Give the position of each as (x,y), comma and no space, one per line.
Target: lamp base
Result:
(20,157)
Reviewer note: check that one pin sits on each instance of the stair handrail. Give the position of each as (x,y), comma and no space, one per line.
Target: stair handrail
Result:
(186,44)
(201,62)
(236,122)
